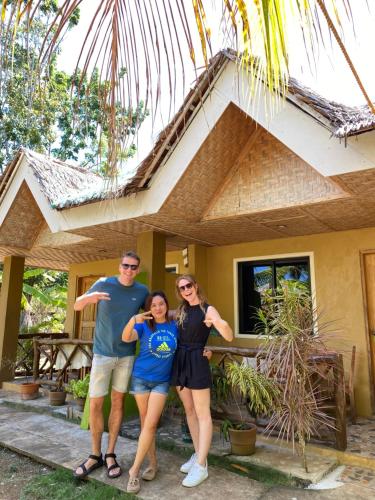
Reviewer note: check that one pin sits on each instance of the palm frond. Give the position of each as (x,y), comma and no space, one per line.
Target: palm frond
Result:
(139,47)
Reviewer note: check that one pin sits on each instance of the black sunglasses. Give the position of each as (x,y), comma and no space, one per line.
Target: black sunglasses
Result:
(182,288)
(133,267)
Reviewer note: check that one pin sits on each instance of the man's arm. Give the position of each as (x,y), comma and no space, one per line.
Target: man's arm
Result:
(90,298)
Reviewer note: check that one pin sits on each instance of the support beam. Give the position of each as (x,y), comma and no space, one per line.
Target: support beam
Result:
(151,249)
(10,310)
(197,258)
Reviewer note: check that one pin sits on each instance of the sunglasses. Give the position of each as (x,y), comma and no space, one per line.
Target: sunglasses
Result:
(133,267)
(182,288)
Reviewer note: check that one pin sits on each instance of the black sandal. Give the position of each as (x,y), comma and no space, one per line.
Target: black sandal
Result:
(86,472)
(113,466)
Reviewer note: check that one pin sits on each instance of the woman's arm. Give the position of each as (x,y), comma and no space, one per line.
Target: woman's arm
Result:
(213,318)
(129,334)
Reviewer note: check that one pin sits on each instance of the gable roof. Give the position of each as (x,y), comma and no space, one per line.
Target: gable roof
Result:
(67,186)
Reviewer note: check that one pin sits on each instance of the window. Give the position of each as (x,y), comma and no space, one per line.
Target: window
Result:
(172,268)
(256,278)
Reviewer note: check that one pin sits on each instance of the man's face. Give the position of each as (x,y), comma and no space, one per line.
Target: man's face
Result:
(128,268)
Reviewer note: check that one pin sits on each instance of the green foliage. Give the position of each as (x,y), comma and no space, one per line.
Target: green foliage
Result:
(220,384)
(227,424)
(79,388)
(60,485)
(47,110)
(79,118)
(261,393)
(43,300)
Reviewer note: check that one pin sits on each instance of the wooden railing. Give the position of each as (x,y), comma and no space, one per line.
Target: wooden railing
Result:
(333,361)
(54,359)
(25,354)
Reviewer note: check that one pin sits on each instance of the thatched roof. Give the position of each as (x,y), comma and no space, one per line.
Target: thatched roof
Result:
(60,182)
(344,121)
(67,186)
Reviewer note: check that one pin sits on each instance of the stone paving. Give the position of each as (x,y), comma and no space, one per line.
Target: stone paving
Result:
(361,437)
(58,442)
(37,435)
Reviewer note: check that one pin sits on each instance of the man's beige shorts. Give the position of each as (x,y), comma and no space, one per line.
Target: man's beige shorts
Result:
(105,367)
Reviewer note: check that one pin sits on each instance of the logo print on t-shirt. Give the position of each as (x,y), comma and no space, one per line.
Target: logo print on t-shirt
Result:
(162,343)
(163,347)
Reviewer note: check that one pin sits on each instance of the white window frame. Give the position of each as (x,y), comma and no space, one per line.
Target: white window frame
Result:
(310,255)
(176,266)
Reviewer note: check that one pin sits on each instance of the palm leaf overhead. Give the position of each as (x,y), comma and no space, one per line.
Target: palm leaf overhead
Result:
(140,46)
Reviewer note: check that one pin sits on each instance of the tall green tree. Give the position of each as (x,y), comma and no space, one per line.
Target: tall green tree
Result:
(38,102)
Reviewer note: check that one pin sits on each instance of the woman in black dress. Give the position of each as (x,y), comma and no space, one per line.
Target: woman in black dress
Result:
(191,372)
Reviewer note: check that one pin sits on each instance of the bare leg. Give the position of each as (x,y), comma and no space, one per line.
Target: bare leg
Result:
(155,407)
(187,400)
(142,403)
(201,400)
(96,430)
(114,424)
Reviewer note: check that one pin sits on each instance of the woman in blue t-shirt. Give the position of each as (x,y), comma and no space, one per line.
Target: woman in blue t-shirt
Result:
(150,377)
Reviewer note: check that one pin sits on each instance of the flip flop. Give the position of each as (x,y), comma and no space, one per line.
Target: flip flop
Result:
(113,466)
(86,471)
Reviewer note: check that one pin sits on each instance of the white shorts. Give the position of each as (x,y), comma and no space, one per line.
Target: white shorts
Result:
(105,367)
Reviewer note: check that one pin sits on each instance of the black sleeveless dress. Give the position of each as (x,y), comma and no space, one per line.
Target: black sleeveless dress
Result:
(190,368)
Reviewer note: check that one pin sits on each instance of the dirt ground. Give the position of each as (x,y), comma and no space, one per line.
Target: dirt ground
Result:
(15,471)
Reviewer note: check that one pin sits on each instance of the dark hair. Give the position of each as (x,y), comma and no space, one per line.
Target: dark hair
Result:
(157,293)
(131,254)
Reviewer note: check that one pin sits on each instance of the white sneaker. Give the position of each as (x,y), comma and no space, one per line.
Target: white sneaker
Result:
(185,468)
(197,475)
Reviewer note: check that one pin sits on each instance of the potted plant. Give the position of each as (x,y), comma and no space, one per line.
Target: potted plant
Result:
(251,393)
(288,324)
(57,394)
(29,390)
(80,389)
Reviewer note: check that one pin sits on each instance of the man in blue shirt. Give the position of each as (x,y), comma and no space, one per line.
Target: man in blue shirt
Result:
(118,299)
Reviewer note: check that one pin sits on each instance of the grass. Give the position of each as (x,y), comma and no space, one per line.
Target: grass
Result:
(60,485)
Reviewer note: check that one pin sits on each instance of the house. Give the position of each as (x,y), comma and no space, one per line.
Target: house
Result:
(229,193)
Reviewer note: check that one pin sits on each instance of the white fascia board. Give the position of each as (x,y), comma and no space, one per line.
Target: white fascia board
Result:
(51,216)
(300,132)
(12,189)
(24,174)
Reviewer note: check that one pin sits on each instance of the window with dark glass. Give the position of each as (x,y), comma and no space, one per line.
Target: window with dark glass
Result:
(256,279)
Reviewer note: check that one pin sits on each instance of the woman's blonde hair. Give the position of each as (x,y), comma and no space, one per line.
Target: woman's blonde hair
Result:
(181,309)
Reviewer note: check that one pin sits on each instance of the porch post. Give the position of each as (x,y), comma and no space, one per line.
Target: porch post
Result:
(151,249)
(197,257)
(10,310)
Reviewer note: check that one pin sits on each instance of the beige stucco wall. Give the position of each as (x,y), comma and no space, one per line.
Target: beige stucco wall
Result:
(338,288)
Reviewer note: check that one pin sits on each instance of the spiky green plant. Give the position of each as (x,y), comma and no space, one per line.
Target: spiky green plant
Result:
(289,323)
(260,392)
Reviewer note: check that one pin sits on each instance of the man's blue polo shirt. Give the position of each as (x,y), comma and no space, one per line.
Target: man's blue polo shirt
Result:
(112,315)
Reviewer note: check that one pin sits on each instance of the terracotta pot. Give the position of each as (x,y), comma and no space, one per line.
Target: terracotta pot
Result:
(29,390)
(243,441)
(57,398)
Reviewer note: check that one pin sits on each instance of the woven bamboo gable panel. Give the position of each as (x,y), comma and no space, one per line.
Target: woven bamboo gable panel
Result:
(271,176)
(214,159)
(22,223)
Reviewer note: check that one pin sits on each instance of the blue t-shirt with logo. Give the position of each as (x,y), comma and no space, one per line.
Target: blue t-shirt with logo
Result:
(112,315)
(155,358)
